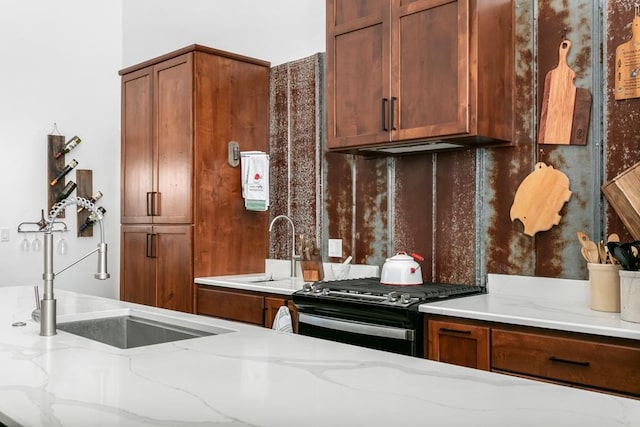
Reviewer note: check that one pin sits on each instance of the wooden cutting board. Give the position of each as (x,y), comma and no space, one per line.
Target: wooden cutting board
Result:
(539,198)
(558,101)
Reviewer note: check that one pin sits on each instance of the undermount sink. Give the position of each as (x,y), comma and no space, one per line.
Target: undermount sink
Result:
(132,330)
(263,278)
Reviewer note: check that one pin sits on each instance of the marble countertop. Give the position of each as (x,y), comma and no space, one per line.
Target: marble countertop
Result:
(258,377)
(559,304)
(276,278)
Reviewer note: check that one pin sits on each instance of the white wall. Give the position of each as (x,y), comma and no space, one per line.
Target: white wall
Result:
(278,31)
(60,65)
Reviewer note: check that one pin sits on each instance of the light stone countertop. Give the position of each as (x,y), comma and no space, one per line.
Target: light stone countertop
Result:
(258,377)
(276,278)
(559,304)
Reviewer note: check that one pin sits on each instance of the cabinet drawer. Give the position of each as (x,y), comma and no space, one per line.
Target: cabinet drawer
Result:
(231,305)
(459,343)
(588,363)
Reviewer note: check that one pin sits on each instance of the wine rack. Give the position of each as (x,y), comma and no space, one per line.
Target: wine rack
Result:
(83,180)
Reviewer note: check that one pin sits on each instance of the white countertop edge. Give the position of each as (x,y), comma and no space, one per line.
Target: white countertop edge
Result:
(532,321)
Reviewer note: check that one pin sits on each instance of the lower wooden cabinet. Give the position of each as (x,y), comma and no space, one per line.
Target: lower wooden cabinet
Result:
(458,343)
(257,308)
(156,266)
(599,363)
(590,363)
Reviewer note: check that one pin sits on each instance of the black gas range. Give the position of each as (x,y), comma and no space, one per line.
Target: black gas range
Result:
(368,313)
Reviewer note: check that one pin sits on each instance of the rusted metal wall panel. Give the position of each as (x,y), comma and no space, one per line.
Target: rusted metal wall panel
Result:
(304,146)
(295,147)
(371,213)
(455,233)
(413,208)
(558,250)
(622,117)
(279,246)
(339,202)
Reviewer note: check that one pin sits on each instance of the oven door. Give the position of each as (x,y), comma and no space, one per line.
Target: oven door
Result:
(376,336)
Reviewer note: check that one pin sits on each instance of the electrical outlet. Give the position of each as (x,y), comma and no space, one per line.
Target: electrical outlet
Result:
(335,248)
(4,234)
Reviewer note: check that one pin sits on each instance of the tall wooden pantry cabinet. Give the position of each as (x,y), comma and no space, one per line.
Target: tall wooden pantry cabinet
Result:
(182,211)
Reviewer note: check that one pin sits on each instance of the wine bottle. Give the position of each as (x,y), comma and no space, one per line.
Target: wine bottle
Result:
(92,219)
(72,164)
(94,198)
(66,191)
(70,145)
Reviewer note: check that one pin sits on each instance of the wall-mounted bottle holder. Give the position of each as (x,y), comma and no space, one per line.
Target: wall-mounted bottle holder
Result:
(58,170)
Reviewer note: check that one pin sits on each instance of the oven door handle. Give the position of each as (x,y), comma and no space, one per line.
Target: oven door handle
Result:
(358,327)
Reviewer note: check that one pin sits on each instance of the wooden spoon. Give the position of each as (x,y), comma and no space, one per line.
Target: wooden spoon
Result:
(602,252)
(583,238)
(612,238)
(585,255)
(592,251)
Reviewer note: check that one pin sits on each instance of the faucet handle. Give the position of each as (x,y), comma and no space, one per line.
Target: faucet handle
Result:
(35,314)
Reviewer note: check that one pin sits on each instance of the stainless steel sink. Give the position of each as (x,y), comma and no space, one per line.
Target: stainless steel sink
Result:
(130,331)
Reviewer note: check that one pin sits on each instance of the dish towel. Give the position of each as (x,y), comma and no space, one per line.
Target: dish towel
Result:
(282,322)
(254,167)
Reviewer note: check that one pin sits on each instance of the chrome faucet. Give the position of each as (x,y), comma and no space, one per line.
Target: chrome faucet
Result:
(48,302)
(294,257)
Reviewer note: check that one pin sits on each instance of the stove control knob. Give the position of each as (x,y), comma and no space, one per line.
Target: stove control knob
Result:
(393,296)
(317,288)
(306,287)
(405,298)
(325,291)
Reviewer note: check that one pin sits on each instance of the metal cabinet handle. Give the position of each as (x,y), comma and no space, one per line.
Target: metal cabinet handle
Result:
(570,362)
(392,112)
(151,245)
(149,203)
(455,331)
(383,118)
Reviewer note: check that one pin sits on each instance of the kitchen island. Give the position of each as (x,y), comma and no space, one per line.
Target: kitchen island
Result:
(257,377)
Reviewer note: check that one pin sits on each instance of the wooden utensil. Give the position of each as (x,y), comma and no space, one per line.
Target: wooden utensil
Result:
(585,255)
(592,250)
(583,238)
(612,238)
(602,252)
(558,101)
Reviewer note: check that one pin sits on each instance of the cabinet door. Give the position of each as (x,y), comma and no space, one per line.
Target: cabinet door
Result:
(137,146)
(430,68)
(173,88)
(227,304)
(137,267)
(357,72)
(172,250)
(459,344)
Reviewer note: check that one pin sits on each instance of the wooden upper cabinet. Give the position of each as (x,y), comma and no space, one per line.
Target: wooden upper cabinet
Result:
(357,71)
(157,149)
(404,71)
(137,145)
(174,140)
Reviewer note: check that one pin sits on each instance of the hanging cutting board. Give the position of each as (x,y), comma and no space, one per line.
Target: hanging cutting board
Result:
(539,199)
(558,101)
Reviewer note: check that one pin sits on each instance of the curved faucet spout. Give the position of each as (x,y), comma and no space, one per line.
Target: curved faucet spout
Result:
(48,303)
(294,257)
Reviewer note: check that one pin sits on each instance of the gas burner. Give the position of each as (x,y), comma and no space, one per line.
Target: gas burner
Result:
(370,290)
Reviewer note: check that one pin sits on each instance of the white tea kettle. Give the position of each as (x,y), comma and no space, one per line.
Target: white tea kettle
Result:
(402,269)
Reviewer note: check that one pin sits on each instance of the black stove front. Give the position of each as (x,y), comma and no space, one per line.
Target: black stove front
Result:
(367,313)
